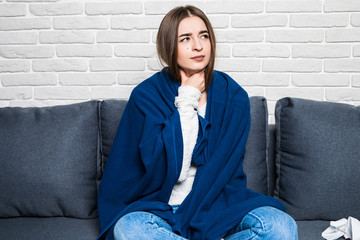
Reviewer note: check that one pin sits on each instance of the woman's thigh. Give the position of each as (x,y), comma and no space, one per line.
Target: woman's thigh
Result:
(143,225)
(264,223)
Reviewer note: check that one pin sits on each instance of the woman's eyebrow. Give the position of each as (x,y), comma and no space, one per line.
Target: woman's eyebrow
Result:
(185,35)
(189,34)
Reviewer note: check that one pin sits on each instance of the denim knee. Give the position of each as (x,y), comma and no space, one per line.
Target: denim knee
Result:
(272,222)
(125,226)
(135,224)
(143,225)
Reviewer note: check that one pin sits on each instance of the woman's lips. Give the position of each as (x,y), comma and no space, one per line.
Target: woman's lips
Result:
(198,58)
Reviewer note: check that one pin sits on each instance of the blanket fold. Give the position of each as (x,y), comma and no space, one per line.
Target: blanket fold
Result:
(146,158)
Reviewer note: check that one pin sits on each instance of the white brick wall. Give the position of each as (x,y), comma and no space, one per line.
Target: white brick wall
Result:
(58,52)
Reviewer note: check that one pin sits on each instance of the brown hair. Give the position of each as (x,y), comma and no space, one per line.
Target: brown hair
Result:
(167,40)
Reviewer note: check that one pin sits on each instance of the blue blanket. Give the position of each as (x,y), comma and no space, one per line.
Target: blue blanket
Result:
(146,159)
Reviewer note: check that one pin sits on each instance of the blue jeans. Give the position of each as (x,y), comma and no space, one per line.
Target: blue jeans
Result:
(260,223)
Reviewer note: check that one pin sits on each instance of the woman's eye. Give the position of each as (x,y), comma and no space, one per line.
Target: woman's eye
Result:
(205,36)
(184,39)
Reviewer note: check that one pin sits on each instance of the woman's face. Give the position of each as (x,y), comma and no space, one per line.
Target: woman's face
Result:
(194,47)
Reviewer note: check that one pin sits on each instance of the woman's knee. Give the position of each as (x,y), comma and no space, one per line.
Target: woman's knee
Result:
(138,225)
(130,225)
(274,222)
(285,226)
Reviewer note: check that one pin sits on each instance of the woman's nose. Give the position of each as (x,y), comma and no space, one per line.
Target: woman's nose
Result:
(197,46)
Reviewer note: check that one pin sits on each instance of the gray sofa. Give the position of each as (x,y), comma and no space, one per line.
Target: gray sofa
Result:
(52,158)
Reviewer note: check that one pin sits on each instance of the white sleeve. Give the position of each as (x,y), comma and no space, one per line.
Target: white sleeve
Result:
(187,102)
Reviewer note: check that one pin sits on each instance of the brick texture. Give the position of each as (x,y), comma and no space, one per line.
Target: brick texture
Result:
(56,9)
(58,51)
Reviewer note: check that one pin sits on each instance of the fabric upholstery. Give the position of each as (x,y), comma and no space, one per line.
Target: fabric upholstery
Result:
(54,228)
(271,159)
(48,161)
(255,162)
(311,230)
(111,112)
(318,153)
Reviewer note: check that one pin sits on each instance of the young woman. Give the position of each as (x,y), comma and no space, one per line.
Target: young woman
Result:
(175,168)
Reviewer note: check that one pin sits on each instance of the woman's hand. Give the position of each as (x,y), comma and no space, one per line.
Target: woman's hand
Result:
(196,80)
(202,99)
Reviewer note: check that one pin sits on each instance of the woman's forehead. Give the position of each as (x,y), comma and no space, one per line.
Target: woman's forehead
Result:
(191,24)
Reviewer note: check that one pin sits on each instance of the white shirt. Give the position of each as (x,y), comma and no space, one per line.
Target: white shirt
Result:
(187,103)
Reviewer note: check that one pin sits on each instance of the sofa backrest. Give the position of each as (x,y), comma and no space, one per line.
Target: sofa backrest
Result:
(271,159)
(318,158)
(52,158)
(48,161)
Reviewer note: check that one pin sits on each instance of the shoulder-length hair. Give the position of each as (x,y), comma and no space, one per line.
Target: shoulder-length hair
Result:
(167,41)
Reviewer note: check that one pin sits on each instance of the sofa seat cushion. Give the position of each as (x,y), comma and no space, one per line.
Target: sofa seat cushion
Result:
(54,228)
(311,230)
(317,160)
(48,161)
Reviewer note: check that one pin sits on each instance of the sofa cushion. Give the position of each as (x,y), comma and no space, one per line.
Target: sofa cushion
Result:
(311,230)
(110,112)
(255,162)
(317,161)
(48,161)
(54,228)
(256,157)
